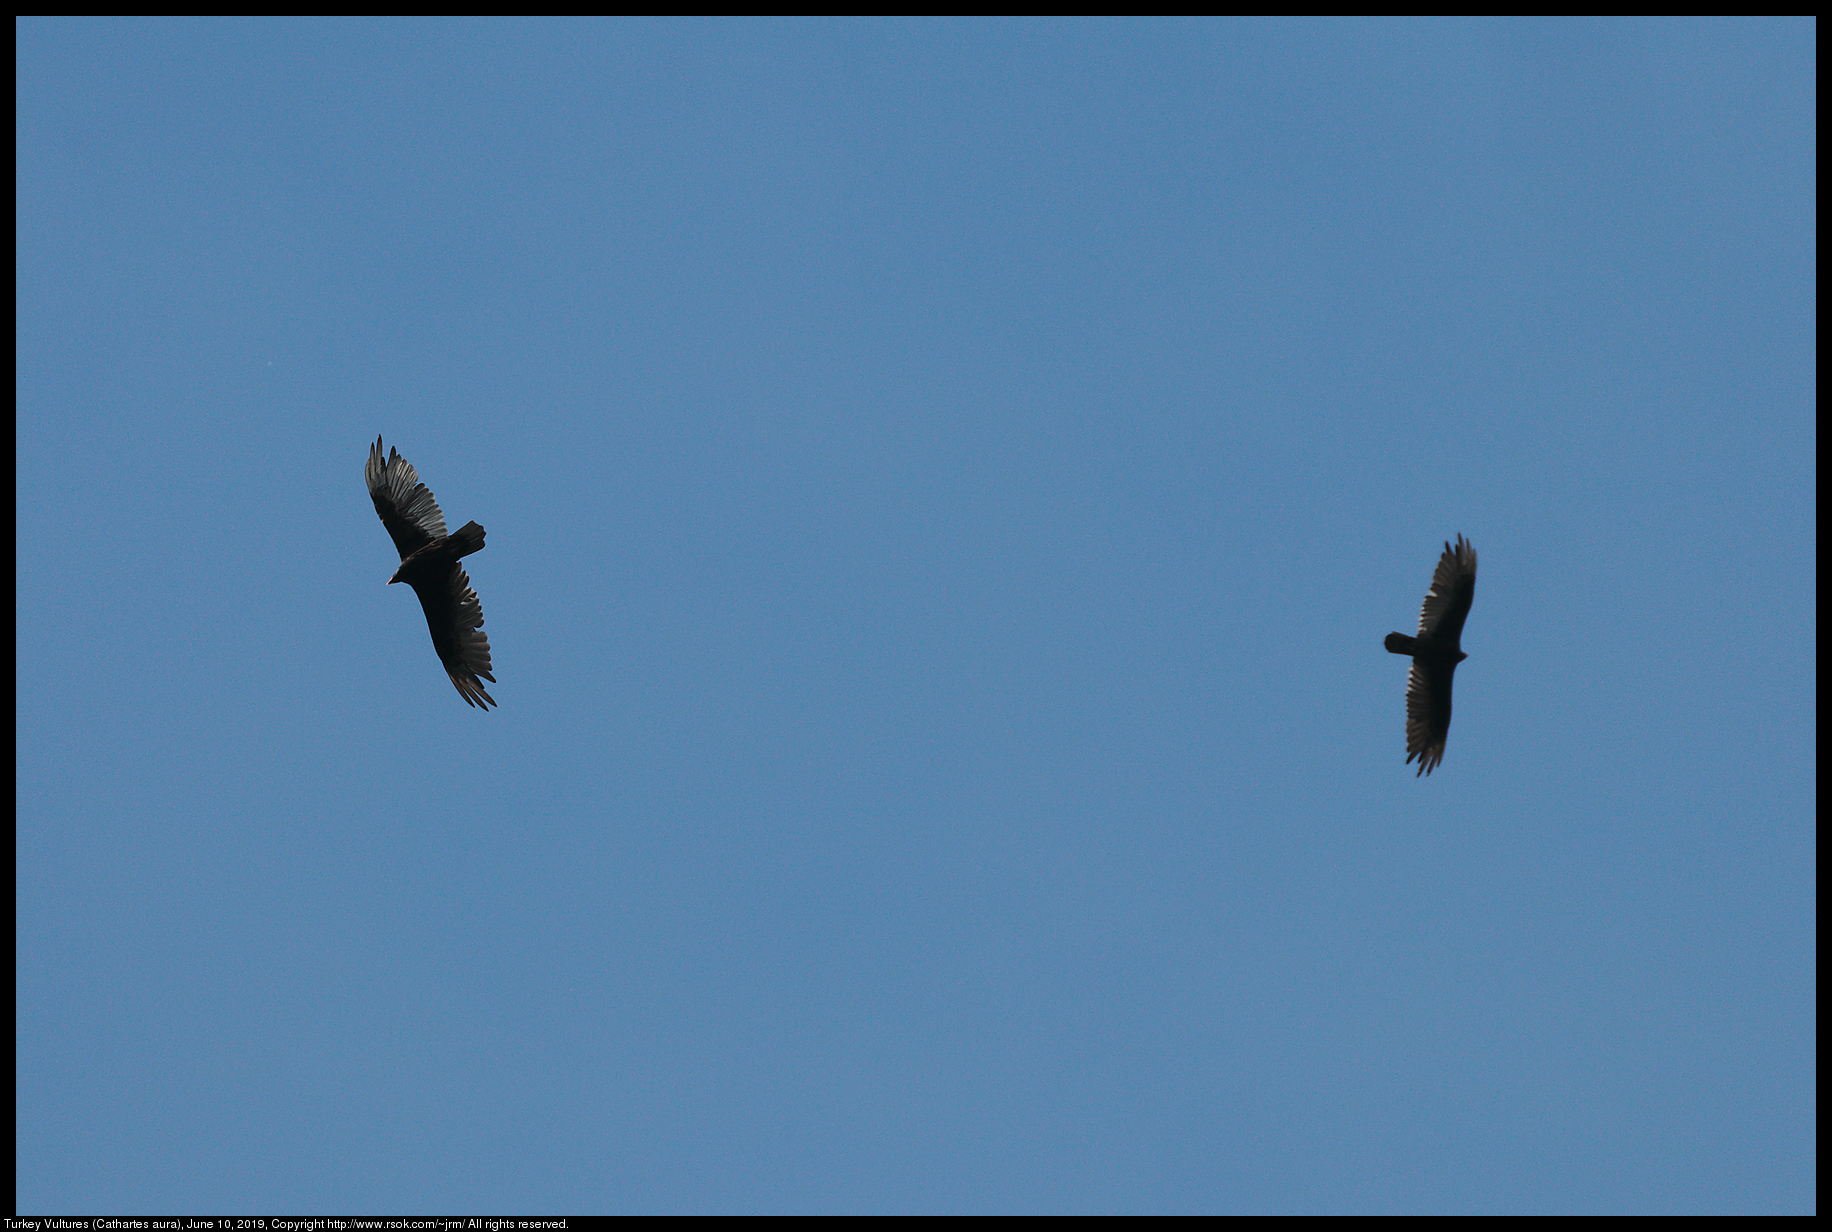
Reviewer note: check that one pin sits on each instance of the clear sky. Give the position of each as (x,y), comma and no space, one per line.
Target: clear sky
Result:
(947,484)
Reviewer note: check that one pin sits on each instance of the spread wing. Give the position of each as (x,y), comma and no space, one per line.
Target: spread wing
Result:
(1453,588)
(406,505)
(1428,711)
(455,619)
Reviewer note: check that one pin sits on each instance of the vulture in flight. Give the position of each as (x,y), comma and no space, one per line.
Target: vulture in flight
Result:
(429,564)
(1435,654)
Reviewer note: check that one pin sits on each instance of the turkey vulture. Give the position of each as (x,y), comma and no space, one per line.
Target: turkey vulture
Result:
(429,564)
(1435,654)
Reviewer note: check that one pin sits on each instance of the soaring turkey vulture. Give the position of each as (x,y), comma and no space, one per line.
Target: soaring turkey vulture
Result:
(1435,654)
(429,564)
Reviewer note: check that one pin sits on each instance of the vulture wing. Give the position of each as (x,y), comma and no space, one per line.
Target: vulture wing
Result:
(454,617)
(406,505)
(1428,712)
(1453,588)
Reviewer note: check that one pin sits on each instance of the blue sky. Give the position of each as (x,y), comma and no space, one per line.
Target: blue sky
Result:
(947,484)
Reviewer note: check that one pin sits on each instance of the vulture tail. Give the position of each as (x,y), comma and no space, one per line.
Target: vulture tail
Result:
(1398,643)
(467,539)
